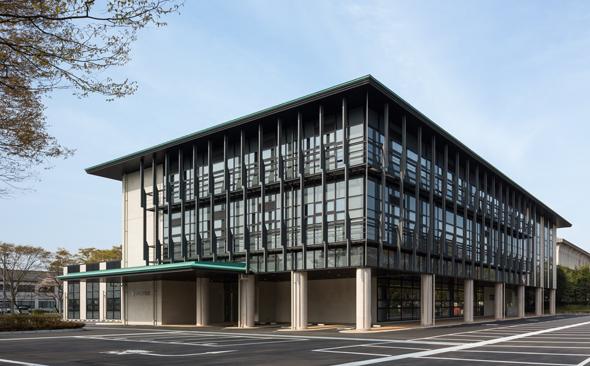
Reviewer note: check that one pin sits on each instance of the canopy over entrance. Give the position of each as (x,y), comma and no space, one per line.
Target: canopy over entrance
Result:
(171,271)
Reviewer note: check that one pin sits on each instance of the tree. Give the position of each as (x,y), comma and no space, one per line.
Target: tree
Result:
(60,259)
(583,283)
(19,263)
(93,255)
(59,44)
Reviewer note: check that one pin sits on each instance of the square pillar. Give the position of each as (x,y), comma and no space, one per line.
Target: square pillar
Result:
(298,300)
(468,296)
(539,301)
(426,299)
(499,301)
(202,301)
(520,298)
(552,301)
(363,298)
(247,301)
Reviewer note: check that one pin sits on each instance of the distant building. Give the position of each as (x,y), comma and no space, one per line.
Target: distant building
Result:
(343,206)
(571,256)
(31,294)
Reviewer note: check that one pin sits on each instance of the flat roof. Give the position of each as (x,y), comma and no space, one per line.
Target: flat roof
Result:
(234,267)
(114,169)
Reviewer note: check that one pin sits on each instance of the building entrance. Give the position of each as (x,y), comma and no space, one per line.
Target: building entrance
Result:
(230,302)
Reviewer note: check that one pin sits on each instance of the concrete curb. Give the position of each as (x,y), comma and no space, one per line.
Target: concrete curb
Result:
(44,331)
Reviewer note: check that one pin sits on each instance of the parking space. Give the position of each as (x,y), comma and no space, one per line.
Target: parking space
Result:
(547,341)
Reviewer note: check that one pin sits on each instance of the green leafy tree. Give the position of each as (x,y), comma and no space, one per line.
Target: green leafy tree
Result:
(59,44)
(93,255)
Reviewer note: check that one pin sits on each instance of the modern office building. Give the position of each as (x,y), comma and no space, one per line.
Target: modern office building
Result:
(570,255)
(344,206)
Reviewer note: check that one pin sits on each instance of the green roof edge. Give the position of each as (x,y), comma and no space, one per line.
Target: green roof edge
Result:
(368,77)
(231,266)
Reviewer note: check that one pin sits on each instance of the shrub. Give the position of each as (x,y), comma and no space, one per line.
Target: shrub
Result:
(38,311)
(24,322)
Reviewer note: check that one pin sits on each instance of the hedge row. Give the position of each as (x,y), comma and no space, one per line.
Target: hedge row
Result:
(24,322)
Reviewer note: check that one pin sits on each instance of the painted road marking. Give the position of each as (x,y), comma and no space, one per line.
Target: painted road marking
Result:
(496,361)
(462,347)
(21,363)
(149,353)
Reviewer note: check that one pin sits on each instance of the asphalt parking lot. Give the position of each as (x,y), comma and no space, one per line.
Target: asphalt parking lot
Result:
(556,340)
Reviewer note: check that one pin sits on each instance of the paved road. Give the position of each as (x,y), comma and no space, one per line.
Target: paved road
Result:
(558,340)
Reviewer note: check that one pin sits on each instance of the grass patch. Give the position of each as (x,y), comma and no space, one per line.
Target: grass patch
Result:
(25,322)
(574,307)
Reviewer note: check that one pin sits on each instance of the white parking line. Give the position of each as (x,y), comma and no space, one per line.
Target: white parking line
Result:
(21,363)
(528,353)
(462,347)
(495,361)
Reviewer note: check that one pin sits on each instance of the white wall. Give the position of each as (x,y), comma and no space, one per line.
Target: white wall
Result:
(331,301)
(140,308)
(179,302)
(133,217)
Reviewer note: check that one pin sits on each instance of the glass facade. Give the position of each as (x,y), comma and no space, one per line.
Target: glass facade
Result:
(92,299)
(73,299)
(113,298)
(353,182)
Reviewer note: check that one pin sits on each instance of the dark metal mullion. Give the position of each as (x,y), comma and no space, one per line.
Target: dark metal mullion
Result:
(416,236)
(366,183)
(181,193)
(505,254)
(431,238)
(169,202)
(155,200)
(455,197)
(444,203)
(143,204)
(261,180)
(196,197)
(483,220)
(212,237)
(467,197)
(512,226)
(498,249)
(518,267)
(527,207)
(402,169)
(492,207)
(345,148)
(302,193)
(323,169)
(476,240)
(534,255)
(246,235)
(280,167)
(229,246)
(384,165)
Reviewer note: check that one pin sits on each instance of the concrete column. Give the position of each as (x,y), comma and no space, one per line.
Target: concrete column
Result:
(64,304)
(82,294)
(247,301)
(499,300)
(363,298)
(468,296)
(298,300)
(202,301)
(552,301)
(539,301)
(426,299)
(102,303)
(520,298)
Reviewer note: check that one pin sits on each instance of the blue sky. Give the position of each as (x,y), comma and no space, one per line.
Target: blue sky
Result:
(509,79)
